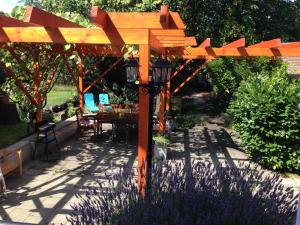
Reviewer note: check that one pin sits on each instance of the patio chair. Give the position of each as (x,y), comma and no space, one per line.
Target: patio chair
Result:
(90,103)
(104,103)
(85,122)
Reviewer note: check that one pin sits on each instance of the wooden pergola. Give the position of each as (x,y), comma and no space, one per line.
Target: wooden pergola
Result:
(160,33)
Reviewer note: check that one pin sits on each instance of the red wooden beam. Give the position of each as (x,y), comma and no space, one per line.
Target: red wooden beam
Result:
(181,68)
(168,96)
(164,16)
(292,45)
(168,91)
(267,44)
(205,43)
(236,44)
(143,130)
(37,16)
(190,77)
(70,71)
(103,74)
(98,17)
(6,21)
(80,84)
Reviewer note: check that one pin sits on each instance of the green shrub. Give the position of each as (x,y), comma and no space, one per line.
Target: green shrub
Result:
(161,139)
(226,75)
(47,115)
(266,114)
(69,112)
(188,120)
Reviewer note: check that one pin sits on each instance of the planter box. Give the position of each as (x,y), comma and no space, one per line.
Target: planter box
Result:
(160,151)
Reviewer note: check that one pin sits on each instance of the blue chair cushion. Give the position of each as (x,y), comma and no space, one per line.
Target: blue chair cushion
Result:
(103,98)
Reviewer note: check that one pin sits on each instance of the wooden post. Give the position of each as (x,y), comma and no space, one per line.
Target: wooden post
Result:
(168,96)
(162,115)
(143,130)
(168,92)
(80,84)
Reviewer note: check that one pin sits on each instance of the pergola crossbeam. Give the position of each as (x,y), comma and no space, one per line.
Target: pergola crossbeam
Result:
(40,17)
(205,43)
(190,77)
(164,16)
(236,44)
(98,17)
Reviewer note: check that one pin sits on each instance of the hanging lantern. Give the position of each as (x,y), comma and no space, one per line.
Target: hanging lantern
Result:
(161,71)
(132,70)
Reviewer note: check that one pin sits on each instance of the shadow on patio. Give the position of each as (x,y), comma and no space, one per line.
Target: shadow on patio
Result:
(47,189)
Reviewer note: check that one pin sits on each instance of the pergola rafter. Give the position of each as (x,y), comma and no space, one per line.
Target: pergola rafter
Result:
(161,32)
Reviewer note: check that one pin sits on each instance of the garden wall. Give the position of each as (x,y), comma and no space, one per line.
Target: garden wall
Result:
(64,130)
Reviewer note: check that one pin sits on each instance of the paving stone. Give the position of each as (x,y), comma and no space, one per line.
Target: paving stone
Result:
(47,190)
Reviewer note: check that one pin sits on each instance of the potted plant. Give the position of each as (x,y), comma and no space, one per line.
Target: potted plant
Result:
(160,147)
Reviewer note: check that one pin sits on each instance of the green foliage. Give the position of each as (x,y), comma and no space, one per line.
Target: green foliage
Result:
(48,116)
(162,139)
(60,94)
(123,95)
(16,132)
(226,74)
(69,112)
(186,121)
(265,112)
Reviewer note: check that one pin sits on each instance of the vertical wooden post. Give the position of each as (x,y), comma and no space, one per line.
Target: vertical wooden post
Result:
(168,96)
(80,84)
(162,115)
(143,130)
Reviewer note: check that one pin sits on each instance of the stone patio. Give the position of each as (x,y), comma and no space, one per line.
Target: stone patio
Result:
(47,190)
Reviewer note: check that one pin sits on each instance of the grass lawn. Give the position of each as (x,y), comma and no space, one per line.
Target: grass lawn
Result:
(59,94)
(12,133)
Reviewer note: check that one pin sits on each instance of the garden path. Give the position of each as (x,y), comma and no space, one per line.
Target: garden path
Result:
(46,191)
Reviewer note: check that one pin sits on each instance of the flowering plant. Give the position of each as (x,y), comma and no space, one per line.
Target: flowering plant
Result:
(203,194)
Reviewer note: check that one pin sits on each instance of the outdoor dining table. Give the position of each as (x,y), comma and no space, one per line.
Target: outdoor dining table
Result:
(126,120)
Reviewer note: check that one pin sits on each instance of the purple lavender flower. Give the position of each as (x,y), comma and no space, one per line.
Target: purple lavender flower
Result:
(204,194)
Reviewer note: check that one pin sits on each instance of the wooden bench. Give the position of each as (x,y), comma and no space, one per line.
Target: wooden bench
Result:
(11,160)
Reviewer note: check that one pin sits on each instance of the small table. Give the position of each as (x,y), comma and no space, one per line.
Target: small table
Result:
(43,137)
(125,119)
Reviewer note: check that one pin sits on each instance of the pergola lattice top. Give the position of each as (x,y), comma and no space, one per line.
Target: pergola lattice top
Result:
(163,32)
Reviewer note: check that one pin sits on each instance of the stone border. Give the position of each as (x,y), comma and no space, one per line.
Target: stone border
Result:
(64,130)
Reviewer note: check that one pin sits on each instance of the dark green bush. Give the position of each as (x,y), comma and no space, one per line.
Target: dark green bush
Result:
(69,112)
(266,113)
(187,121)
(226,74)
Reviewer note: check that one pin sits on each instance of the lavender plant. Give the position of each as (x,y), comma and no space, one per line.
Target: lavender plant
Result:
(203,194)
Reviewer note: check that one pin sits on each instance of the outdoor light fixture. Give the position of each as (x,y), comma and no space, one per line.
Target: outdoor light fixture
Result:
(161,71)
(132,70)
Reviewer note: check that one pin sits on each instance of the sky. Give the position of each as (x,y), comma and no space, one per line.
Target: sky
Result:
(7,5)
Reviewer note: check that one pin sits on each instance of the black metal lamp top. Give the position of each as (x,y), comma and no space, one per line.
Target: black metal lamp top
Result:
(161,70)
(132,70)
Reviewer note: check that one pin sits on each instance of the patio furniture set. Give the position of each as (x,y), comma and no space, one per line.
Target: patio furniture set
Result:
(122,117)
